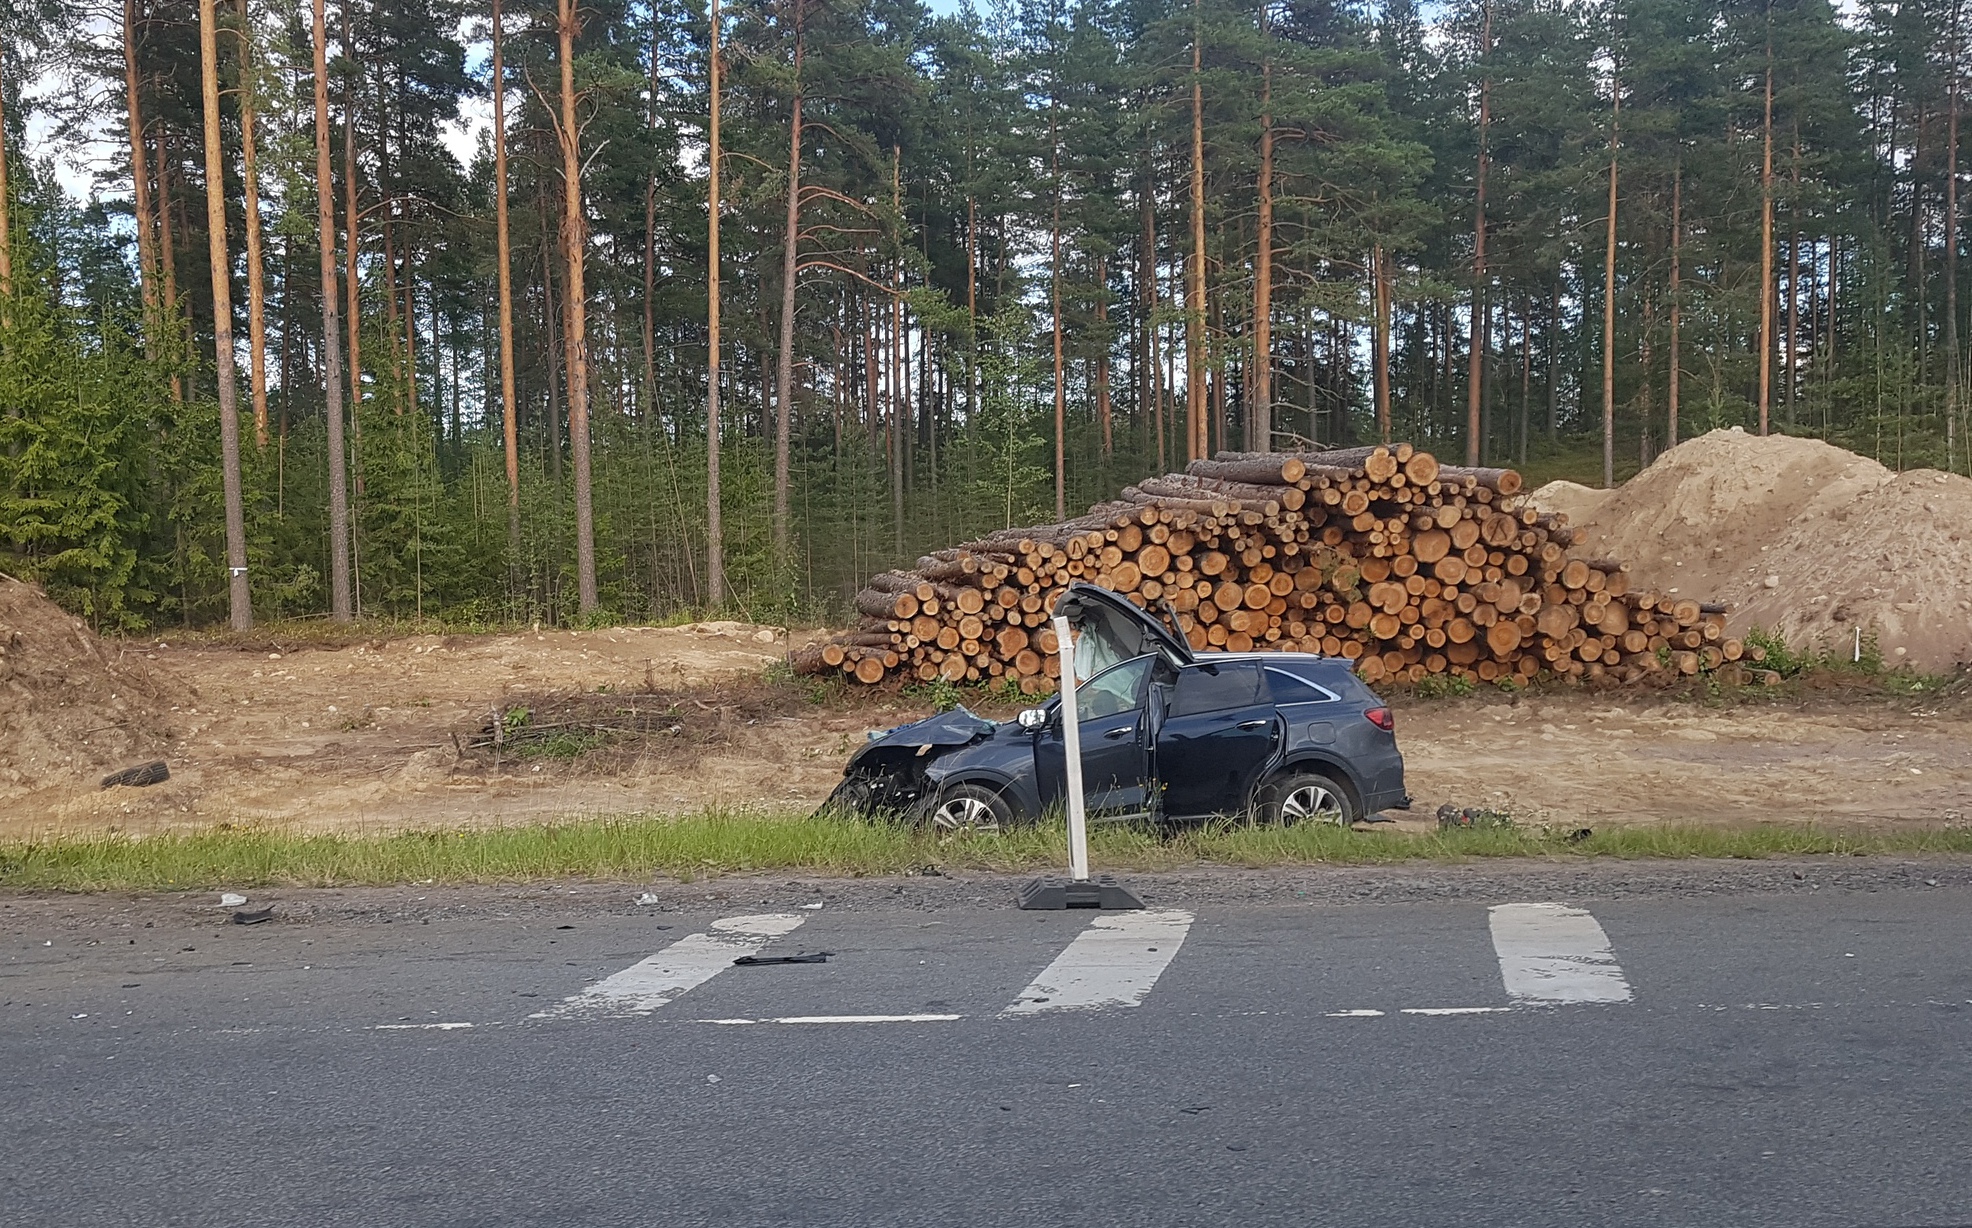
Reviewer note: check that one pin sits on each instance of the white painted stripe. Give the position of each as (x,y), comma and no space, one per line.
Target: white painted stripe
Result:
(1551,953)
(1455,1010)
(419,1027)
(845,1019)
(1114,962)
(1363,1014)
(684,965)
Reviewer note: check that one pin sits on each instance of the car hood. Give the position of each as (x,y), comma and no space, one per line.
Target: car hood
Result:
(954,728)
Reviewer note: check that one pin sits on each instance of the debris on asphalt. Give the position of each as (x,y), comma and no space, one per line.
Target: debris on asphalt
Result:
(811,907)
(648,898)
(231,899)
(754,961)
(255,917)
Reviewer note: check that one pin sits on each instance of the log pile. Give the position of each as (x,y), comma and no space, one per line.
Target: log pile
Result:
(1381,555)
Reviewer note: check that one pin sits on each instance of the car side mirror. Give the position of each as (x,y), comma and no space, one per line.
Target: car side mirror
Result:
(1033,718)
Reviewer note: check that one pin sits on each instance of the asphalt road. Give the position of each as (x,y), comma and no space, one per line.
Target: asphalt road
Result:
(1725,1059)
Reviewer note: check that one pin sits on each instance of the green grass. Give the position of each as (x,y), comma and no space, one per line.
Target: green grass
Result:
(736,843)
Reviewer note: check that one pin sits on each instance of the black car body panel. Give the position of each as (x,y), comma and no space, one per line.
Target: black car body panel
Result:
(1167,733)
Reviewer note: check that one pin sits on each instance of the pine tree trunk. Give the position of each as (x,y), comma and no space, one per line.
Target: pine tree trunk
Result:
(715,541)
(1260,429)
(1766,248)
(325,225)
(900,441)
(1609,297)
(256,276)
(240,596)
(1054,295)
(6,213)
(168,264)
(790,269)
(1475,347)
(504,276)
(575,315)
(1379,262)
(1102,360)
(1677,233)
(353,317)
(1952,373)
(1792,344)
(1151,383)
(1198,426)
(140,179)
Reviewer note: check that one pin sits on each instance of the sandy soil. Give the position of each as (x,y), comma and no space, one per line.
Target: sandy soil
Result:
(1797,536)
(378,737)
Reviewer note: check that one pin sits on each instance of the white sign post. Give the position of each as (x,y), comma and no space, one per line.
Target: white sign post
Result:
(1071,737)
(1077,891)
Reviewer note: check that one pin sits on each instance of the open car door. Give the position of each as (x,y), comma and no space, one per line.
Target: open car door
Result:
(1109,629)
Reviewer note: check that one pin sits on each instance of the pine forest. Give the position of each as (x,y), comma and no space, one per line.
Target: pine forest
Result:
(543,311)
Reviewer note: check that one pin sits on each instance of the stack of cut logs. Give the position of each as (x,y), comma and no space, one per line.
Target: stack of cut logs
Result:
(1381,555)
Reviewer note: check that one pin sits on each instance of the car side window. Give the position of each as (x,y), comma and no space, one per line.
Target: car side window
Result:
(1212,687)
(1284,687)
(1118,689)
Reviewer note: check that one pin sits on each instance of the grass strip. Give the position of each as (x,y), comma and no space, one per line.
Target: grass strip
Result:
(717,843)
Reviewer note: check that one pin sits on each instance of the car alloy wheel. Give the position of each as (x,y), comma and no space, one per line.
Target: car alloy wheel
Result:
(969,809)
(1312,799)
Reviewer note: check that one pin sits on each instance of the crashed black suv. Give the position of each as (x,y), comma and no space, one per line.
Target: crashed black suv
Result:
(1168,735)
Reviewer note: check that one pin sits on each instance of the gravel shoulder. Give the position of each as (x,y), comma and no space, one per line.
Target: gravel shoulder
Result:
(1568,879)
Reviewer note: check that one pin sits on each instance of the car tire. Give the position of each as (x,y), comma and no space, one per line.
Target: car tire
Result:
(965,810)
(853,798)
(1308,797)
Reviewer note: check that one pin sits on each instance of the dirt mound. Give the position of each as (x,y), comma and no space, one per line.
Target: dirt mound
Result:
(1798,536)
(72,707)
(1571,499)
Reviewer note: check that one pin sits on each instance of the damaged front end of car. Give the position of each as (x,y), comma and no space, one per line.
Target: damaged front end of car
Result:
(887,778)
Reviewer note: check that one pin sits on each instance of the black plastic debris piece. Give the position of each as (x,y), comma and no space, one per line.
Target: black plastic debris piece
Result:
(754,961)
(1580,834)
(154,772)
(254,916)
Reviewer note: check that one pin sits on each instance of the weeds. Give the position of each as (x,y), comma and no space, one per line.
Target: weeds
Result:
(719,842)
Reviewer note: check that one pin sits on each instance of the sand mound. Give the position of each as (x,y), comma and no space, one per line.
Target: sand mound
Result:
(1797,536)
(1571,499)
(71,706)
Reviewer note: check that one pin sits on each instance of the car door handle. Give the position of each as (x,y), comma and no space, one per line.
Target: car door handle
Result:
(1253,724)
(1124,732)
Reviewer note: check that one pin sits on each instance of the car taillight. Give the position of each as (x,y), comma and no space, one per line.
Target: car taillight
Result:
(1382,719)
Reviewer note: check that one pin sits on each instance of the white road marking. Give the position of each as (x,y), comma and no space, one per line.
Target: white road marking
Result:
(684,965)
(1455,1010)
(844,1019)
(419,1027)
(1551,953)
(1364,1014)
(1114,962)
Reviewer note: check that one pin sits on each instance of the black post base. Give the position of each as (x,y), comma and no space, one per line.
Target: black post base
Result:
(1057,893)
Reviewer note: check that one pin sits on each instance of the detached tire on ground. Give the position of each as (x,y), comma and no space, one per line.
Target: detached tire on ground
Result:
(1308,797)
(966,809)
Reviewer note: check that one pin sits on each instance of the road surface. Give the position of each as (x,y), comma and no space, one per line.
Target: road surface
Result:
(1798,1059)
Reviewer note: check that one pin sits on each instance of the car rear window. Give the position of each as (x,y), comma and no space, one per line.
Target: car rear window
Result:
(1285,687)
(1216,687)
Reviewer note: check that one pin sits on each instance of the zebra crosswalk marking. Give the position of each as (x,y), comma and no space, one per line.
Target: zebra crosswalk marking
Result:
(683,966)
(1551,954)
(1114,962)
